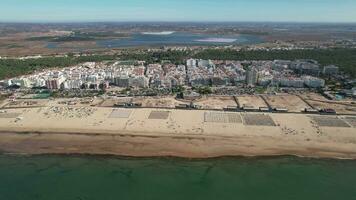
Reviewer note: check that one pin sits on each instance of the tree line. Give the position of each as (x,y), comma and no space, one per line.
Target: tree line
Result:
(344,58)
(15,67)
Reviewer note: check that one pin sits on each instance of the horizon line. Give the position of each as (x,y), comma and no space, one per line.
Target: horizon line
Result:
(156,21)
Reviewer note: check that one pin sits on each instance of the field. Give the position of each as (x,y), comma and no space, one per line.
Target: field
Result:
(159,115)
(120,114)
(251,100)
(258,120)
(329,121)
(34,43)
(157,102)
(320,102)
(222,117)
(25,103)
(9,115)
(351,121)
(110,102)
(216,102)
(291,102)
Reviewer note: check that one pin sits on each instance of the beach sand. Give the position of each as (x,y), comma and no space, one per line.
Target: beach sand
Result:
(182,133)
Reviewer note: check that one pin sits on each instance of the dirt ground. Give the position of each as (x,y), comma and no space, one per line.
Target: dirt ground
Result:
(25,103)
(18,44)
(249,100)
(217,102)
(157,102)
(291,102)
(339,108)
(318,101)
(112,102)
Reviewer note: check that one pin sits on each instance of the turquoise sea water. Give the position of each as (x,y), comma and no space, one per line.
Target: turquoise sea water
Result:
(102,178)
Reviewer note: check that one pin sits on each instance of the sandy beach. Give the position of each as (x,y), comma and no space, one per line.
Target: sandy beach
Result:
(181,133)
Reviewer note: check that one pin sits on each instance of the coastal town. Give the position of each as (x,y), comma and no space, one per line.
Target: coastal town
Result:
(197,78)
(177,99)
(135,74)
(296,74)
(200,101)
(296,102)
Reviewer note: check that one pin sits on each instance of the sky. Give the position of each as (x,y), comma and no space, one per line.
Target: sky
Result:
(178,10)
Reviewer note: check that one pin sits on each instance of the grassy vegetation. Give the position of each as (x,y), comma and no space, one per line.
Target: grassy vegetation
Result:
(11,46)
(80,36)
(178,89)
(344,58)
(260,90)
(41,38)
(204,90)
(176,57)
(14,67)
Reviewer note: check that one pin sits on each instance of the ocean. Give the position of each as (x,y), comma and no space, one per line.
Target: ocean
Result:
(53,177)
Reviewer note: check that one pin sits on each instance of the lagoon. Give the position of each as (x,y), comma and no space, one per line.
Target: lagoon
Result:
(157,39)
(178,38)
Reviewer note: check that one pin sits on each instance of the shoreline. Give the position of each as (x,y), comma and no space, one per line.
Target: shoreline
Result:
(173,133)
(17,143)
(112,156)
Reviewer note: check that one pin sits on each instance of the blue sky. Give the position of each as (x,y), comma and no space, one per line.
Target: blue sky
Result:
(177,10)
